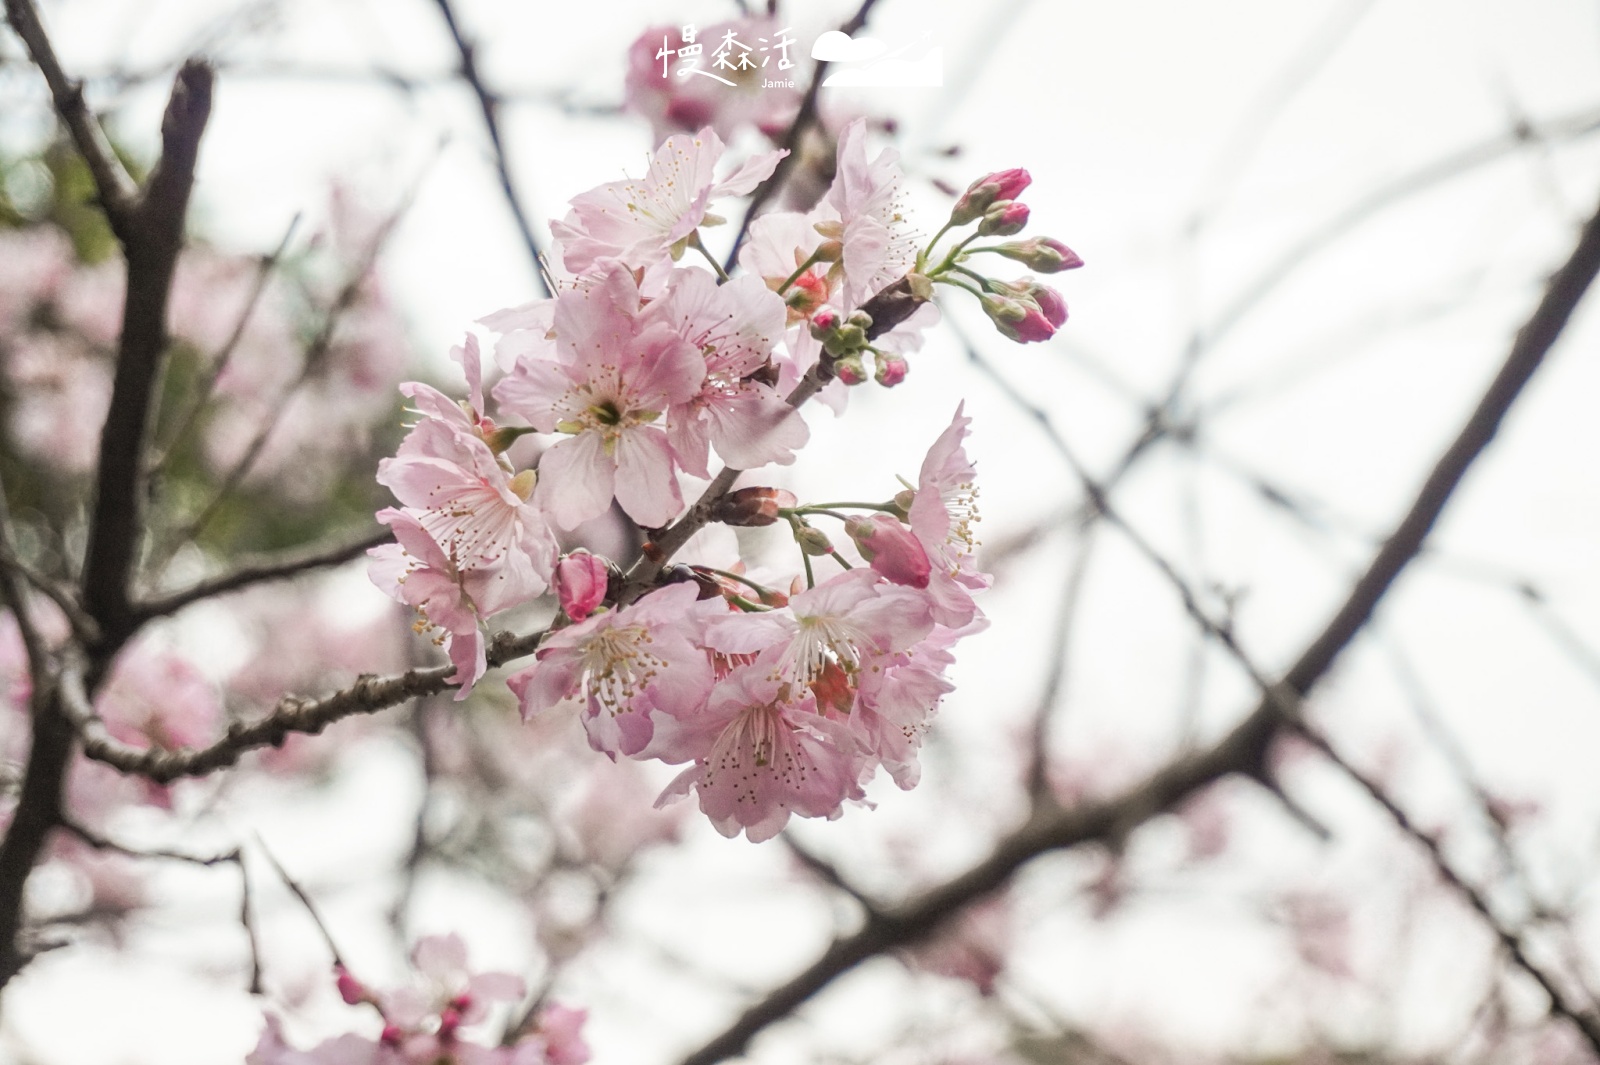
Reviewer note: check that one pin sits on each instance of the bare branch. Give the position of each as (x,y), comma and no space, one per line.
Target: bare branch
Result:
(111,181)
(259,571)
(1241,751)
(151,244)
(293,714)
(489,104)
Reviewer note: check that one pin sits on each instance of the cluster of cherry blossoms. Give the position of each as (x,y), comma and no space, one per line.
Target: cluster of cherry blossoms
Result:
(780,696)
(426,1022)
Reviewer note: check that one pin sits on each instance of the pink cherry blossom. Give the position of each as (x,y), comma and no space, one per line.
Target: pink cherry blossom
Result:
(735,326)
(879,246)
(942,515)
(417,572)
(624,667)
(581,580)
(640,222)
(762,753)
(618,373)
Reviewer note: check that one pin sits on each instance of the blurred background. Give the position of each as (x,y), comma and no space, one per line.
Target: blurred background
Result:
(1311,231)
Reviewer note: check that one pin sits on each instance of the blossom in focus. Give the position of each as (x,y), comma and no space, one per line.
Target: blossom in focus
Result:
(639,222)
(617,375)
(942,515)
(624,667)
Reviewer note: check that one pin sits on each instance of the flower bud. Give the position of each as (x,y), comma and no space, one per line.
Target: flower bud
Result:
(850,369)
(1050,304)
(824,322)
(981,194)
(1017,320)
(350,989)
(581,580)
(891,549)
(829,251)
(845,340)
(902,502)
(813,541)
(751,507)
(860,320)
(890,369)
(1044,254)
(1003,219)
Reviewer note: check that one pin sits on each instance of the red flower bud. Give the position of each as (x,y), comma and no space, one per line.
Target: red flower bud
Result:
(1003,219)
(891,549)
(749,507)
(987,190)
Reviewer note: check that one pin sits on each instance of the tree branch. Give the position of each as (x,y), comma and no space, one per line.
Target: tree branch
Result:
(489,104)
(111,181)
(1243,750)
(258,571)
(293,714)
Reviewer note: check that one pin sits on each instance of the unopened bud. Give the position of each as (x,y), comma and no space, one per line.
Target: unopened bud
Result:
(581,583)
(987,190)
(891,549)
(824,322)
(829,251)
(850,369)
(860,320)
(501,438)
(845,340)
(1044,254)
(350,989)
(903,500)
(751,507)
(890,369)
(813,541)
(1003,219)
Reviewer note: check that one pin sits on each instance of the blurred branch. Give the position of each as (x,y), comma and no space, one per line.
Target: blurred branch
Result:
(150,228)
(791,140)
(489,104)
(112,183)
(259,571)
(208,379)
(1585,1019)
(1243,750)
(315,353)
(293,714)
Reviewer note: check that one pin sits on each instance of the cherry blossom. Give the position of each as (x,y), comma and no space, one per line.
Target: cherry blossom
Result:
(942,515)
(639,222)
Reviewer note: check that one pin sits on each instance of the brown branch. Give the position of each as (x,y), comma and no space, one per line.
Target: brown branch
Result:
(1243,750)
(804,117)
(489,104)
(111,181)
(152,239)
(1586,1020)
(642,574)
(293,714)
(259,571)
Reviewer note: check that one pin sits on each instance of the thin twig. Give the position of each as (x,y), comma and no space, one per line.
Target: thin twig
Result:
(112,183)
(489,105)
(260,570)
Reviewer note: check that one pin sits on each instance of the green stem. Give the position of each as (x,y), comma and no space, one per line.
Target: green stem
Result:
(694,242)
(811,261)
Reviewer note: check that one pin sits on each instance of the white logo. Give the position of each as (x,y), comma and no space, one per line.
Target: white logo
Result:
(867,61)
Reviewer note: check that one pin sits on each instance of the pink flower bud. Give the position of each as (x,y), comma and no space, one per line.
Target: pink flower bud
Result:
(449,1021)
(824,321)
(350,989)
(1003,219)
(1017,320)
(1000,185)
(392,1035)
(1044,254)
(581,580)
(891,369)
(850,369)
(1051,304)
(891,549)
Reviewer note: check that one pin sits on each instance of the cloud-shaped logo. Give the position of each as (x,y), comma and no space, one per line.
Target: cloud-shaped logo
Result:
(837,47)
(867,61)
